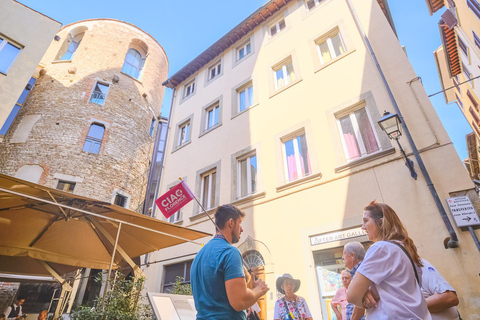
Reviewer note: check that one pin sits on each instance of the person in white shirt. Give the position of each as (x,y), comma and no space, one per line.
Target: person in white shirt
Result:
(441,297)
(388,281)
(14,311)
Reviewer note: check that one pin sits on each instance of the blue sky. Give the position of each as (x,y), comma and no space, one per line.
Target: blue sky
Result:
(186,28)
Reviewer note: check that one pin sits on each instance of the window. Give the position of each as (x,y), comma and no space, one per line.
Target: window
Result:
(152,127)
(277,27)
(99,93)
(245,97)
(214,71)
(17,106)
(472,100)
(72,47)
(455,82)
(295,154)
(207,191)
(284,74)
(247,176)
(459,101)
(65,186)
(476,39)
(474,6)
(189,89)
(120,200)
(358,136)
(463,46)
(173,271)
(467,73)
(244,50)
(133,64)
(183,133)
(93,142)
(312,3)
(330,47)
(177,216)
(8,54)
(211,115)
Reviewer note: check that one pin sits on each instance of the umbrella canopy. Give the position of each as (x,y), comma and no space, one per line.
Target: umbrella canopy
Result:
(63,228)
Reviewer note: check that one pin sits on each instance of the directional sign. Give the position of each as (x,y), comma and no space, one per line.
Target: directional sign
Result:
(463,211)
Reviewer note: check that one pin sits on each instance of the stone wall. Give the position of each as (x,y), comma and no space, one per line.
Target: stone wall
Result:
(51,127)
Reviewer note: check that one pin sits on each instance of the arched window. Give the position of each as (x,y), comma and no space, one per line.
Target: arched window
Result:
(253,259)
(93,142)
(133,63)
(71,44)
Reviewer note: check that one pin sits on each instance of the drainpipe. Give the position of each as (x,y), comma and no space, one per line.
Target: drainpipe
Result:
(452,241)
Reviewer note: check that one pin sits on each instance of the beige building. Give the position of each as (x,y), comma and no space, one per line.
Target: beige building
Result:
(25,35)
(458,61)
(279,117)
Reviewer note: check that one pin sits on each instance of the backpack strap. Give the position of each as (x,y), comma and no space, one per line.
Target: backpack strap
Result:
(409,257)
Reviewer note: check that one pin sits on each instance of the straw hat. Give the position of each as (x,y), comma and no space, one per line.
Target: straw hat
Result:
(283,278)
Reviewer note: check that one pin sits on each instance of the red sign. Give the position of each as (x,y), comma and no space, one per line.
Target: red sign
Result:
(174,199)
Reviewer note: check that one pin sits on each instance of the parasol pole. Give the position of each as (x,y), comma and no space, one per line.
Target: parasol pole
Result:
(111,264)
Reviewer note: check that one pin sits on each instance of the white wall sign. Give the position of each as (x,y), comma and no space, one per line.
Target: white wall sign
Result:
(463,211)
(336,236)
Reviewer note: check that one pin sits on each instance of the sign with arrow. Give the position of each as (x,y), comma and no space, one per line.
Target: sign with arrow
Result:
(463,211)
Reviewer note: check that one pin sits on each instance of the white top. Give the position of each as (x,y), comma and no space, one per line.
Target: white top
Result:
(432,283)
(9,308)
(393,279)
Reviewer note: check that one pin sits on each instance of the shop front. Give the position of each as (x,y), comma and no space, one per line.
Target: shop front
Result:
(327,250)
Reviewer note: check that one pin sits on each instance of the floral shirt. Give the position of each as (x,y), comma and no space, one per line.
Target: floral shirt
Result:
(299,308)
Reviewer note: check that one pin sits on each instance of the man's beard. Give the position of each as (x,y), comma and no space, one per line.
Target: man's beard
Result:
(234,238)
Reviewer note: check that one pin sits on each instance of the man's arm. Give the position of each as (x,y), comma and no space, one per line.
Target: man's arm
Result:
(337,313)
(442,301)
(240,297)
(7,312)
(358,313)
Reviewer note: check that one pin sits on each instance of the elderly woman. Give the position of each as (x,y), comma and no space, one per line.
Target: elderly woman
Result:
(290,304)
(391,269)
(340,298)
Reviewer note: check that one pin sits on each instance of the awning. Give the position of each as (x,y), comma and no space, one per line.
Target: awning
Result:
(63,228)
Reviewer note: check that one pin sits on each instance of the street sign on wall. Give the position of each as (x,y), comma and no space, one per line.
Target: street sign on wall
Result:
(463,211)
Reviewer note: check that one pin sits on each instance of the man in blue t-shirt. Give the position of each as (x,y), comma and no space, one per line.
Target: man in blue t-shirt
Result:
(217,278)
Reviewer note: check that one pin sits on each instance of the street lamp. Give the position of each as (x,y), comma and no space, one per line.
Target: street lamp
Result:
(390,123)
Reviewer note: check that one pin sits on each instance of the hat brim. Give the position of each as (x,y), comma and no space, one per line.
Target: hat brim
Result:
(280,282)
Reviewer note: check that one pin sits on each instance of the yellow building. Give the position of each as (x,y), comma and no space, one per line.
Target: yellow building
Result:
(279,117)
(458,59)
(21,49)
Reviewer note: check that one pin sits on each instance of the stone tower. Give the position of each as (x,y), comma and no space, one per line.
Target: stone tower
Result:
(88,124)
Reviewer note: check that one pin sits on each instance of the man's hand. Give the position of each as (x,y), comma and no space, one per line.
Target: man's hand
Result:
(370,300)
(261,287)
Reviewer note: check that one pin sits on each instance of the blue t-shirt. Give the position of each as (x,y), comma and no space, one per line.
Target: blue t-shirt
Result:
(217,262)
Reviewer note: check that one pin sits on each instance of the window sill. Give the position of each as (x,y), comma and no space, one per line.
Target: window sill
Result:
(210,130)
(202,214)
(131,77)
(244,111)
(249,198)
(61,61)
(285,88)
(288,185)
(365,159)
(181,146)
(323,66)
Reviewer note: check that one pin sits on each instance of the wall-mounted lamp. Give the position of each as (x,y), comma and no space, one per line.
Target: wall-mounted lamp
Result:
(391,123)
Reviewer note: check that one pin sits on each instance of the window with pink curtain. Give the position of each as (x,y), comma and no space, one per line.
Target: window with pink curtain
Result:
(366,131)
(358,135)
(297,158)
